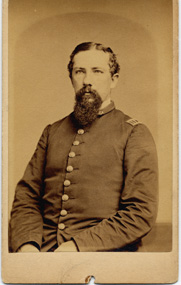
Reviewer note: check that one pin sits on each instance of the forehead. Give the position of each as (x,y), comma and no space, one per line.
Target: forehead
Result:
(91,58)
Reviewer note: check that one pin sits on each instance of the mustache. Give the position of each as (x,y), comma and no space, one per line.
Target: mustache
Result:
(86,89)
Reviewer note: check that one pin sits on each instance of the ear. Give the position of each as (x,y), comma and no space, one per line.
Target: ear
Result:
(115,79)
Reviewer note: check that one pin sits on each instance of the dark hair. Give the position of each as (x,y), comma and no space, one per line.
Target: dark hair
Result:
(114,65)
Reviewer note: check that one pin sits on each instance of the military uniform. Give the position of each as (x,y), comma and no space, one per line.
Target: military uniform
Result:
(95,185)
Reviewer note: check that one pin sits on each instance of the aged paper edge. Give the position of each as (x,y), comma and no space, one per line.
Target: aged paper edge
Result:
(76,267)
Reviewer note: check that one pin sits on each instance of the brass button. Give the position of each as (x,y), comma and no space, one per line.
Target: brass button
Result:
(80,131)
(65,197)
(71,154)
(66,183)
(61,226)
(63,213)
(76,143)
(70,168)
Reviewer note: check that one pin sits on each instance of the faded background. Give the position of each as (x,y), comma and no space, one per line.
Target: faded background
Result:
(43,33)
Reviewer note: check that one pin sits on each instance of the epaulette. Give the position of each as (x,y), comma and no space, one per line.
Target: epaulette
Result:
(133,122)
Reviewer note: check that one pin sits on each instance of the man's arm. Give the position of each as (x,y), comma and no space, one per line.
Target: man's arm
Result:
(138,203)
(28,247)
(26,224)
(67,246)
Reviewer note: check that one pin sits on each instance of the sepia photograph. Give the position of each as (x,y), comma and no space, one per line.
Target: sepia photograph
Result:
(90,141)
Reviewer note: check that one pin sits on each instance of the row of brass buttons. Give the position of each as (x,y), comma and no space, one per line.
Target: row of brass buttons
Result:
(67,182)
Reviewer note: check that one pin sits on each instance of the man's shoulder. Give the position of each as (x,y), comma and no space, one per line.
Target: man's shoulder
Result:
(126,119)
(135,129)
(61,121)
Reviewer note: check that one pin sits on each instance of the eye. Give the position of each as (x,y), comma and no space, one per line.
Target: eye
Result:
(79,71)
(98,71)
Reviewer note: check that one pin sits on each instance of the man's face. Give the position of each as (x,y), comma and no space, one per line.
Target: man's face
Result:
(91,68)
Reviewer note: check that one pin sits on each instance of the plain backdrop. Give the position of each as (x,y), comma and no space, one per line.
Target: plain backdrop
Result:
(43,33)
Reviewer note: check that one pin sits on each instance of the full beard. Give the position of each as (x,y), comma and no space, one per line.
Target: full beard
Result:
(87,106)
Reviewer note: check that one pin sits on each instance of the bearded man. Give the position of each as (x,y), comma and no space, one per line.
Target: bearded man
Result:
(91,184)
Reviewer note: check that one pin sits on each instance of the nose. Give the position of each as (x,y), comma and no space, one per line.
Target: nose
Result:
(87,79)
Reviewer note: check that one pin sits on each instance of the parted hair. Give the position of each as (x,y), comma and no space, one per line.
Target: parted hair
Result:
(113,63)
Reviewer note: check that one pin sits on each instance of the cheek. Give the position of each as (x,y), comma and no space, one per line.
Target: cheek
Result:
(76,84)
(104,85)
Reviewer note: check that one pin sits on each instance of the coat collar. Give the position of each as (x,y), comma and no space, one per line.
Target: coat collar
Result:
(107,109)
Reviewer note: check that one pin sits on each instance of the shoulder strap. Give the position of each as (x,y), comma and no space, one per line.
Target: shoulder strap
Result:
(133,122)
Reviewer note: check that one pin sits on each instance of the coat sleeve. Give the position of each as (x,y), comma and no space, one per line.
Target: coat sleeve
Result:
(138,203)
(26,223)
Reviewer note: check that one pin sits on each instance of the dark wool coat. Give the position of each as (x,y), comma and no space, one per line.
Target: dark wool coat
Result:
(95,185)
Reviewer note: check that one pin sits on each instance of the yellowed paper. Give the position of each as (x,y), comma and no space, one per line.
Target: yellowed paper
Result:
(38,38)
